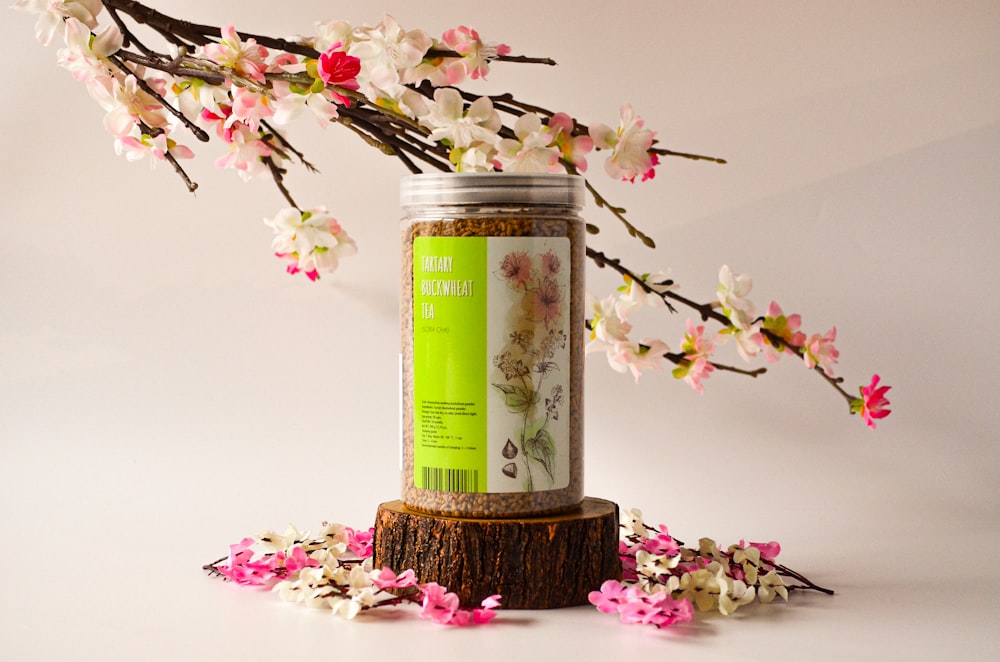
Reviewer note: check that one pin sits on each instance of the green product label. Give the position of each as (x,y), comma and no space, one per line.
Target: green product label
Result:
(491,374)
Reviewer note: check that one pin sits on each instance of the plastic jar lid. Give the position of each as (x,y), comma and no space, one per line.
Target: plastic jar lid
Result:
(478,188)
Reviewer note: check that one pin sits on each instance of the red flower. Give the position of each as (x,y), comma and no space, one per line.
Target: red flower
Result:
(338,68)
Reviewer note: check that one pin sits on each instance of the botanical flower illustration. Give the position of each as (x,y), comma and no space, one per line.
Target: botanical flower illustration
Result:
(535,350)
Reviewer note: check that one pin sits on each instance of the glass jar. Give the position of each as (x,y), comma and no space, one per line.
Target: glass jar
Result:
(492,321)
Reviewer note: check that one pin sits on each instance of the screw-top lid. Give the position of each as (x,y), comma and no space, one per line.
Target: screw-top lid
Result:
(479,188)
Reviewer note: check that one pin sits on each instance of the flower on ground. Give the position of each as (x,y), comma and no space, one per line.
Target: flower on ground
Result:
(702,588)
(636,606)
(386,578)
(770,587)
(243,569)
(661,543)
(360,542)
(768,550)
(484,613)
(872,404)
(736,594)
(439,605)
(629,144)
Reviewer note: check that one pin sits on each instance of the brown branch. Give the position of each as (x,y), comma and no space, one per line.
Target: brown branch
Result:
(199,34)
(278,174)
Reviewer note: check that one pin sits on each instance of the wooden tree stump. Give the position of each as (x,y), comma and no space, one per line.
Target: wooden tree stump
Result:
(534,563)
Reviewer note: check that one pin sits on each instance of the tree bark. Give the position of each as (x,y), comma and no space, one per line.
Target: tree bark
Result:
(534,563)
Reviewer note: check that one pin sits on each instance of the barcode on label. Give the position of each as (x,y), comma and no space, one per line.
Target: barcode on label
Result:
(450,480)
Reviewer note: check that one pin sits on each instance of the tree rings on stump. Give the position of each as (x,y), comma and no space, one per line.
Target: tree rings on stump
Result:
(533,562)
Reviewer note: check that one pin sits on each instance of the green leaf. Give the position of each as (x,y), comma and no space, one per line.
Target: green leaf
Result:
(542,448)
(518,398)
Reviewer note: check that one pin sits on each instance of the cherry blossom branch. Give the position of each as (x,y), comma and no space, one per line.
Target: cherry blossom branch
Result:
(619,213)
(194,33)
(835,382)
(400,92)
(278,174)
(277,136)
(196,130)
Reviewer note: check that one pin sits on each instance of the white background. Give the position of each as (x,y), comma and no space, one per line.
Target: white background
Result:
(166,389)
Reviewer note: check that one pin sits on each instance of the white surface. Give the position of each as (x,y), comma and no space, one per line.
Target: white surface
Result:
(165,389)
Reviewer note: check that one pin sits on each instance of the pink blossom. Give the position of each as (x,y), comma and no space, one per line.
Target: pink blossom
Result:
(218,119)
(610,598)
(629,144)
(626,553)
(157,146)
(516,269)
(386,578)
(484,613)
(546,302)
(297,560)
(360,542)
(572,148)
(872,404)
(246,58)
(661,543)
(819,351)
(636,606)
(550,264)
(695,367)
(784,327)
(242,569)
(768,550)
(476,55)
(249,107)
(440,606)
(246,152)
(132,104)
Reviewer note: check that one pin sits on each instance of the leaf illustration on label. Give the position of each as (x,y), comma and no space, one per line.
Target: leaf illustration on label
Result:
(510,469)
(518,399)
(509,450)
(542,448)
